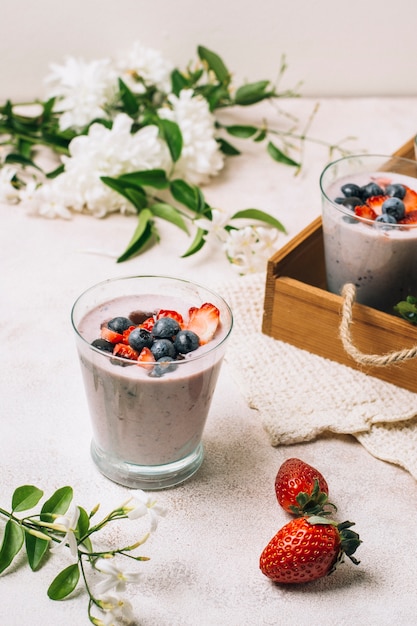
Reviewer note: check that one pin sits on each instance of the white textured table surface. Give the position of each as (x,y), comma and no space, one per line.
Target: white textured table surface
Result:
(204,555)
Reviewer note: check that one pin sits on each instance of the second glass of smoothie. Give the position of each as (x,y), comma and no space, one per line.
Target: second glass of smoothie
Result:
(147,422)
(363,245)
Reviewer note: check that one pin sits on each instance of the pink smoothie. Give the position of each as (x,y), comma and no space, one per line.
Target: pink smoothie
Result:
(379,259)
(138,418)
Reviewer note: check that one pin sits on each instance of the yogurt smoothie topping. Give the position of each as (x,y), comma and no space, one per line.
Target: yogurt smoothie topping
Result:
(156,341)
(371,241)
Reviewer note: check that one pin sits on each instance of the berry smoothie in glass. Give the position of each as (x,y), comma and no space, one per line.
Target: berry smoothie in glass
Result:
(150,350)
(369,211)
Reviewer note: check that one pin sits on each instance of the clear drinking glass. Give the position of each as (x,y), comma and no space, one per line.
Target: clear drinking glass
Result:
(379,258)
(147,427)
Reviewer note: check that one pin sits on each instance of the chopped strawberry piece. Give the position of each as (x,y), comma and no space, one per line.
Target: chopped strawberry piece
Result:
(174,314)
(148,324)
(204,321)
(124,351)
(366,212)
(410,200)
(375,203)
(110,335)
(126,334)
(410,218)
(146,358)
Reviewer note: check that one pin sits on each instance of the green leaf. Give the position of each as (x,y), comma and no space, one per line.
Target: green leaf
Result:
(147,178)
(83,523)
(56,172)
(252,93)
(244,132)
(227,147)
(64,583)
(178,82)
(57,504)
(170,214)
(35,550)
(279,156)
(130,103)
(26,497)
(197,244)
(171,133)
(133,193)
(141,236)
(215,64)
(261,216)
(189,195)
(12,542)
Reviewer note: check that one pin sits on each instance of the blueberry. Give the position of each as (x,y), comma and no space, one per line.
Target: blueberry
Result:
(102,344)
(394,207)
(186,341)
(119,324)
(396,191)
(165,327)
(386,218)
(349,202)
(350,189)
(162,348)
(164,365)
(140,338)
(371,189)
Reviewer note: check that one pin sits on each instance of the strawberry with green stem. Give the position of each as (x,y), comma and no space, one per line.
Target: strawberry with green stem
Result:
(308,548)
(301,489)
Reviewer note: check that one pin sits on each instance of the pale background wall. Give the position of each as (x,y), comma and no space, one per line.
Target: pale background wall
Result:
(353,48)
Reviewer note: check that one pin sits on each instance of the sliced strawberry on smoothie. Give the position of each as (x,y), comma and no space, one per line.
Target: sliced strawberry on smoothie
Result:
(146,358)
(148,324)
(174,314)
(365,211)
(410,218)
(125,351)
(410,200)
(204,321)
(110,335)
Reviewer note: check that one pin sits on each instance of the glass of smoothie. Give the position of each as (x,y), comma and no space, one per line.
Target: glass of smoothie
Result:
(369,210)
(150,350)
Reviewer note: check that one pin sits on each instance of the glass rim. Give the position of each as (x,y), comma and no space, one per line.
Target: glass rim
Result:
(380,225)
(185,281)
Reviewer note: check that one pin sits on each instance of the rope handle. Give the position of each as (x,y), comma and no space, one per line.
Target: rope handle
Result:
(377,360)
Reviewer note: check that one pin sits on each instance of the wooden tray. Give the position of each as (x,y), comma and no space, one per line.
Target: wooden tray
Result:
(299,310)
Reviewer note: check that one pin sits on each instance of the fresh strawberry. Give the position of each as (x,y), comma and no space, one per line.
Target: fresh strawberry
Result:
(300,488)
(148,324)
(125,351)
(174,314)
(308,548)
(363,210)
(126,334)
(410,200)
(203,321)
(410,218)
(146,358)
(110,335)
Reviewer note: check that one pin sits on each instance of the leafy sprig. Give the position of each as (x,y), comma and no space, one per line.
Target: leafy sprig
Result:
(51,529)
(180,203)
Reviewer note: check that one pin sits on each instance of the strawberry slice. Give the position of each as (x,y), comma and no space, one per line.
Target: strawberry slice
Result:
(126,334)
(203,321)
(365,211)
(410,218)
(124,351)
(148,324)
(174,314)
(146,358)
(410,200)
(110,335)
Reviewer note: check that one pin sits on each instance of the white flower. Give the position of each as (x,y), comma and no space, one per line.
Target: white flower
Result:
(249,248)
(115,578)
(145,64)
(116,609)
(108,152)
(46,200)
(201,157)
(82,90)
(67,524)
(216,226)
(8,191)
(141,504)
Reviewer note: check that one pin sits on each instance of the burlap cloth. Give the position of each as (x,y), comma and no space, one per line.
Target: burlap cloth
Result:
(300,395)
